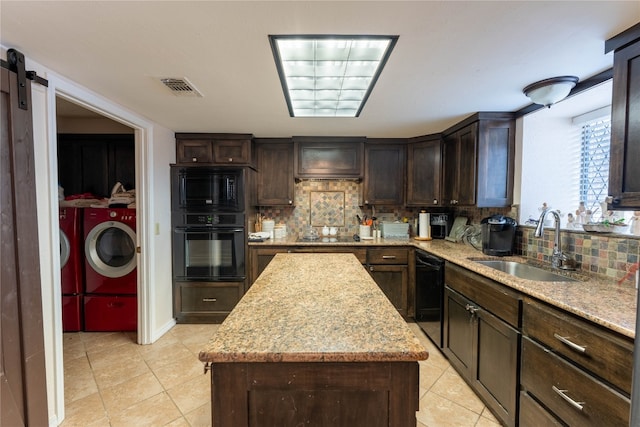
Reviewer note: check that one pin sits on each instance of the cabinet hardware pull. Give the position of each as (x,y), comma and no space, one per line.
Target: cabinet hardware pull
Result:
(471,309)
(571,345)
(207,367)
(209,299)
(578,405)
(388,257)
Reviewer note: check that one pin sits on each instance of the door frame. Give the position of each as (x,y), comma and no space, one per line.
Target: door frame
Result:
(143,136)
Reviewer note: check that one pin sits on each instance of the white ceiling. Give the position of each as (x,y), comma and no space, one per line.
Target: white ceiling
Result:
(453,58)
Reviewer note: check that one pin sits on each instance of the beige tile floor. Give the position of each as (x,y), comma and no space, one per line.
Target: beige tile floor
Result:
(111,381)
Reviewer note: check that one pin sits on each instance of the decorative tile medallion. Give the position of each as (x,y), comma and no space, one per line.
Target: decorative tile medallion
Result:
(327,208)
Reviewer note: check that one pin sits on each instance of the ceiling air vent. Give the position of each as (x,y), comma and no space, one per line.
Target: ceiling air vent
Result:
(181,87)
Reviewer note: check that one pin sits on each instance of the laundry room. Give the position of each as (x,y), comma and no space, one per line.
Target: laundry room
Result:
(97,199)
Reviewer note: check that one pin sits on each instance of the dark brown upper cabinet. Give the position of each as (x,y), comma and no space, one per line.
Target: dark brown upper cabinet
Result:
(479,155)
(624,175)
(328,157)
(424,170)
(385,172)
(276,186)
(215,149)
(93,163)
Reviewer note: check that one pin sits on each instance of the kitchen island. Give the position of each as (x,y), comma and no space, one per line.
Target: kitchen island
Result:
(314,342)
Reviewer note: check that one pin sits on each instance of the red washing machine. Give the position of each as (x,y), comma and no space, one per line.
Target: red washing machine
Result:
(71,265)
(110,302)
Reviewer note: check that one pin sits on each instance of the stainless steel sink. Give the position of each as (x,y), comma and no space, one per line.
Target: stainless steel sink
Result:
(525,271)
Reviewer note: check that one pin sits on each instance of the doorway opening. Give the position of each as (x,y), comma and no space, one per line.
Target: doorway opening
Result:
(97,216)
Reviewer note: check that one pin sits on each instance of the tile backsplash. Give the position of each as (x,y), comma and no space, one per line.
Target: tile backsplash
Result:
(332,203)
(607,255)
(336,203)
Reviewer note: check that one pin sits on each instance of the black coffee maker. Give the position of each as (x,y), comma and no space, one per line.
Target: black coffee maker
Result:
(498,235)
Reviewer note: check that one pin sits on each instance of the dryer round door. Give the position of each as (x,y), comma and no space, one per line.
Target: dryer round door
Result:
(110,249)
(65,249)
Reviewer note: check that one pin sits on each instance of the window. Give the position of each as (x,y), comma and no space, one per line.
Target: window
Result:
(594,165)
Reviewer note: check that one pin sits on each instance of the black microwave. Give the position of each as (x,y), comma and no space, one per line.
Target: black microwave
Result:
(205,189)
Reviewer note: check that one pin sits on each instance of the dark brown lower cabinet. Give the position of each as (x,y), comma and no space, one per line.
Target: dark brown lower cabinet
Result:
(484,350)
(393,281)
(372,394)
(571,394)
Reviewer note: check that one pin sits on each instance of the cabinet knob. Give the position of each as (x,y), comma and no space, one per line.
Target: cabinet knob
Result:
(194,159)
(230,159)
(366,202)
(370,268)
(435,201)
(290,202)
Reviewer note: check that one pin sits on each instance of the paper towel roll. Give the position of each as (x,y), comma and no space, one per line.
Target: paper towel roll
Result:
(424,225)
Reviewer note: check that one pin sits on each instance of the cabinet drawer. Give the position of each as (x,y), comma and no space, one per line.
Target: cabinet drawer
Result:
(600,351)
(209,297)
(387,256)
(498,299)
(569,392)
(532,414)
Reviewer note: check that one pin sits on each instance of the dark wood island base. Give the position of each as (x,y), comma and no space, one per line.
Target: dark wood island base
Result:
(371,394)
(314,343)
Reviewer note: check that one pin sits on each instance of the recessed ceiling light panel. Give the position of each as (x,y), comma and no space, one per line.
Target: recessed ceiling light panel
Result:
(329,75)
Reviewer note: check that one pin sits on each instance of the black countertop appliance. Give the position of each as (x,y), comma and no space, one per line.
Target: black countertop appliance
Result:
(498,235)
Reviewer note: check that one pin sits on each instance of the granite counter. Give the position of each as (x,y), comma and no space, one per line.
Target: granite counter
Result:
(600,300)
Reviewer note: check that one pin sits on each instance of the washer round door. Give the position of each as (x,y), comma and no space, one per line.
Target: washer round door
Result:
(110,249)
(65,249)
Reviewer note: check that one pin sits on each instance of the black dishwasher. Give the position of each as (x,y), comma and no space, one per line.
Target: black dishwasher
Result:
(429,295)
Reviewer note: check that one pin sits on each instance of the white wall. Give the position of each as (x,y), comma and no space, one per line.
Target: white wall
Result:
(549,166)
(155,150)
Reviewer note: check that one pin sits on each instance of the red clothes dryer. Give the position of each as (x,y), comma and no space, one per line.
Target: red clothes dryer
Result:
(110,251)
(110,302)
(71,265)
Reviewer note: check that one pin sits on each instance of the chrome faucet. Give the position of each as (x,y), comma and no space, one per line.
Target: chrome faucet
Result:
(558,259)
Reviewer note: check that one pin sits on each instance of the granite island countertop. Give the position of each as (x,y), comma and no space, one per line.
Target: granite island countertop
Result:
(600,300)
(314,308)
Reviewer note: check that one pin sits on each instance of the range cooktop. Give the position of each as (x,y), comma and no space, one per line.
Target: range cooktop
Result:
(328,239)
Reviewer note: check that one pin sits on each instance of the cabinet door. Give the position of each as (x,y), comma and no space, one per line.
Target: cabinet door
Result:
(424,173)
(450,168)
(330,157)
(194,151)
(459,332)
(467,138)
(393,281)
(624,178)
(496,156)
(232,151)
(275,174)
(385,174)
(496,367)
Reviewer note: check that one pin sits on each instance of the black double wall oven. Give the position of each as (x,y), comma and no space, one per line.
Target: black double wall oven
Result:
(208,220)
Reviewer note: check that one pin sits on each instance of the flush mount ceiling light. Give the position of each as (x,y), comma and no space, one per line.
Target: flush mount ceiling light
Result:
(329,75)
(549,91)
